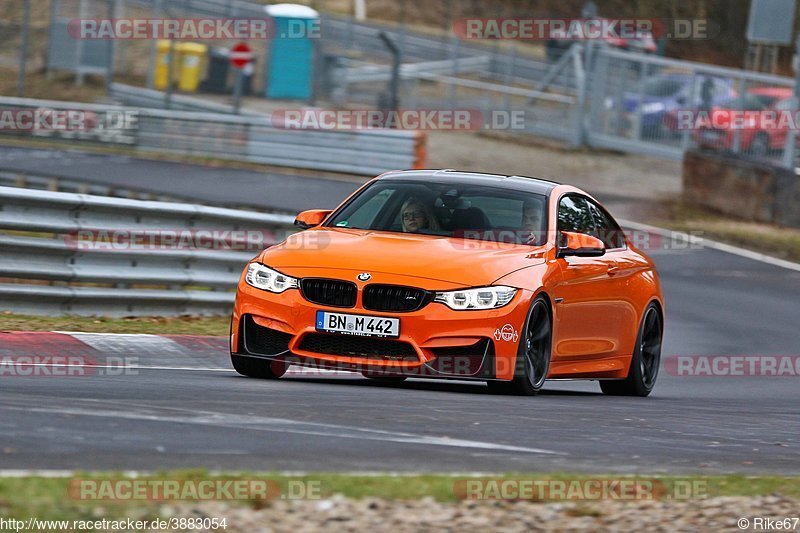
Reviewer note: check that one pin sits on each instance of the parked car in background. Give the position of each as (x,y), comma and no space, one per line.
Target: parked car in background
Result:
(664,95)
(758,133)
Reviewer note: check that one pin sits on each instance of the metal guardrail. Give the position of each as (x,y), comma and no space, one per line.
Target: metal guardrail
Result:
(242,138)
(373,72)
(66,253)
(128,95)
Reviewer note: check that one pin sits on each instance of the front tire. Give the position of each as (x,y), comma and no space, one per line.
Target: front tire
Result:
(645,361)
(533,356)
(258,368)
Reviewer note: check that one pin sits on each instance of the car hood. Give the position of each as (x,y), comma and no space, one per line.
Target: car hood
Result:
(438,262)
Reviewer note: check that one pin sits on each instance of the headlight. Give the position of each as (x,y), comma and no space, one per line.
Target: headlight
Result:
(263,277)
(480,298)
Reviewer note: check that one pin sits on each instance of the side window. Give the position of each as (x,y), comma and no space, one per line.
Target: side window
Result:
(606,229)
(365,215)
(501,212)
(574,215)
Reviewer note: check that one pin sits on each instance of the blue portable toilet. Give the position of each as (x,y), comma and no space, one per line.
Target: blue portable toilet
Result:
(291,60)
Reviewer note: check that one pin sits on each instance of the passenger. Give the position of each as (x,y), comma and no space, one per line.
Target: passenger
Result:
(417,216)
(533,222)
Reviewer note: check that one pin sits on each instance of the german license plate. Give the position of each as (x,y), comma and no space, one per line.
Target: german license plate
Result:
(365,326)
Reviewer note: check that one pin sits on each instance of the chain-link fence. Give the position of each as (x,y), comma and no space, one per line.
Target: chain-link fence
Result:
(588,93)
(662,106)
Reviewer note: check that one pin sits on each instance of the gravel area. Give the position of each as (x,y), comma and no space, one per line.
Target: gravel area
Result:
(342,514)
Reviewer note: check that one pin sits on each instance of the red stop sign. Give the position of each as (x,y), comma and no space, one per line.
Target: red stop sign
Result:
(241,55)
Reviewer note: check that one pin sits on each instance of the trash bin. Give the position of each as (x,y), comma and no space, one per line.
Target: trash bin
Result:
(290,71)
(192,58)
(219,63)
(161,74)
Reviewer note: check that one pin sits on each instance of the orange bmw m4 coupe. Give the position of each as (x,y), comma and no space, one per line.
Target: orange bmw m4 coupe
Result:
(455,275)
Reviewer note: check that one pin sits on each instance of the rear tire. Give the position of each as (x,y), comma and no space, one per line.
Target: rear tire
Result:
(533,355)
(258,368)
(646,359)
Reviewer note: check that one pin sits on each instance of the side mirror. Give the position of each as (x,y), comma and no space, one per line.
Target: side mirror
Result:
(311,218)
(579,245)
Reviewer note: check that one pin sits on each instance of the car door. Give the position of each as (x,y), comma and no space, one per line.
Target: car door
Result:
(624,264)
(584,301)
(778,134)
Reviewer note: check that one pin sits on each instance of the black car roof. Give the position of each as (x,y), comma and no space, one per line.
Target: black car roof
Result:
(458,177)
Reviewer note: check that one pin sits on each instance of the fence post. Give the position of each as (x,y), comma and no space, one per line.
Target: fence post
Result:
(82,14)
(113,12)
(686,134)
(637,125)
(158,12)
(737,135)
(581,71)
(23,52)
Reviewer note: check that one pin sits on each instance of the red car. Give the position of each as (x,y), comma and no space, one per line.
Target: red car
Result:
(755,117)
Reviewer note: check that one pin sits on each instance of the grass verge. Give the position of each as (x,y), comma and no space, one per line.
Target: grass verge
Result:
(59,498)
(766,238)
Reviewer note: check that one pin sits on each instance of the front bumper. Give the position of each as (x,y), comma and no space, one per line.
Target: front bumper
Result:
(437,341)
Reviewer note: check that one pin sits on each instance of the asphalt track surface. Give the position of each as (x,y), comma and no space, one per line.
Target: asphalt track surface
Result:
(193,183)
(196,412)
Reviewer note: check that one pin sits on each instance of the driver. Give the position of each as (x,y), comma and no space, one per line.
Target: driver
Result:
(416,216)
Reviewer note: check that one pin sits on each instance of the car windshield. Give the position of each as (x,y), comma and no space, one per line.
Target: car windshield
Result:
(444,209)
(748,103)
(662,87)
